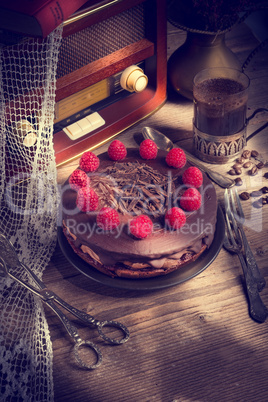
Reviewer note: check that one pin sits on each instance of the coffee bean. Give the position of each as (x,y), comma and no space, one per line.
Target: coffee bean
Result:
(264,190)
(238,181)
(264,200)
(237,166)
(257,203)
(265,175)
(232,172)
(247,164)
(246,154)
(253,171)
(238,170)
(260,165)
(240,160)
(244,196)
(256,193)
(254,153)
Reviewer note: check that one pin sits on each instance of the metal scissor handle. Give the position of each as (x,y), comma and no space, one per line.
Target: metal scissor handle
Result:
(88,319)
(77,349)
(50,298)
(115,324)
(48,295)
(79,343)
(70,328)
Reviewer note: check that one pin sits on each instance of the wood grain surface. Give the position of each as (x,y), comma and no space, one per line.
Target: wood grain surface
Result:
(191,342)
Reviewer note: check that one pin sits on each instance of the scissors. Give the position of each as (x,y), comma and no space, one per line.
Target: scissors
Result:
(51,299)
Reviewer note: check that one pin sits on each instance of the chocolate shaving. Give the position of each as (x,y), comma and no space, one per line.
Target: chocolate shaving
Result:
(133,187)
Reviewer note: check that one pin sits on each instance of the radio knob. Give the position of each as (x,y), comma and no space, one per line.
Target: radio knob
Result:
(133,79)
(25,133)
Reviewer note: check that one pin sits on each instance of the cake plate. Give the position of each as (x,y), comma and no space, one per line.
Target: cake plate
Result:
(181,275)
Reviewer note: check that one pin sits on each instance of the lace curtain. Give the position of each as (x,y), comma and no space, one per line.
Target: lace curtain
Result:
(28,211)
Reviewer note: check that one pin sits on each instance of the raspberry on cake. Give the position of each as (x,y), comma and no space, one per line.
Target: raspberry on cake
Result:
(176,158)
(175,218)
(148,149)
(87,200)
(141,226)
(191,200)
(108,219)
(89,162)
(78,179)
(117,150)
(193,177)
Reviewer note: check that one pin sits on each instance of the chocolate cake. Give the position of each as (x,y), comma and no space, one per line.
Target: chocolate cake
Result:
(133,187)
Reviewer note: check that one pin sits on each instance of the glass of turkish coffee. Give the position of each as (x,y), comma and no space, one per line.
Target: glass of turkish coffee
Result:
(220,108)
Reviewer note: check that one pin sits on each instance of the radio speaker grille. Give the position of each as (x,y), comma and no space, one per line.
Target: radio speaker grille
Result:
(101,39)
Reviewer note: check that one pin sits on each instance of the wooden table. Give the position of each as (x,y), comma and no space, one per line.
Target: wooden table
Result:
(191,342)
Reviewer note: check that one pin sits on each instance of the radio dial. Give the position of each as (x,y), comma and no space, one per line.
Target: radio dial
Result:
(133,79)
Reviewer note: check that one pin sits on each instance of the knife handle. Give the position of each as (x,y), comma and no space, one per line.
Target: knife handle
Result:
(251,262)
(257,309)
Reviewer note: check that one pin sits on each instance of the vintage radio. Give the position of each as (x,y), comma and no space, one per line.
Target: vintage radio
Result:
(111,72)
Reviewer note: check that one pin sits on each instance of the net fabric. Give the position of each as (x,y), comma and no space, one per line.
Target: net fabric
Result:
(28,211)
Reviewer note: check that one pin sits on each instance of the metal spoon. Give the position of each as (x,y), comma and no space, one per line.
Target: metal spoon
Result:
(165,143)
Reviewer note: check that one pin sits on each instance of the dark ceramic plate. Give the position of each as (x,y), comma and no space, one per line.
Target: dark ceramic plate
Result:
(174,278)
